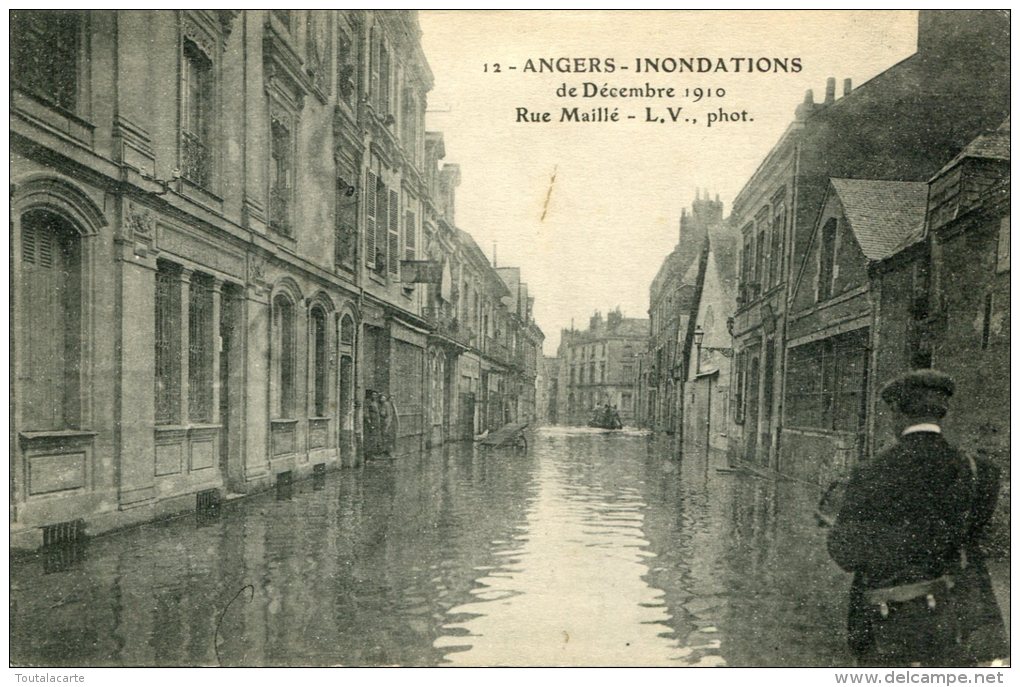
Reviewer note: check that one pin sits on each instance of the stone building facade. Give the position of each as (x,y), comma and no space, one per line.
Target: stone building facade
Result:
(598,366)
(221,225)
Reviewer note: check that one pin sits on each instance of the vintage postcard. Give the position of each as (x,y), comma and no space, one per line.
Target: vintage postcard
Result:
(516,338)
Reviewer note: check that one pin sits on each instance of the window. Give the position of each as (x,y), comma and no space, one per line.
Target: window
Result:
(628,373)
(409,123)
(409,236)
(986,324)
(284,357)
(346,64)
(826,259)
(826,381)
(384,79)
(319,51)
(738,396)
(626,401)
(168,345)
(759,264)
(51,303)
(1002,251)
(200,350)
(347,331)
(280,176)
(196,120)
(371,196)
(345,225)
(45,53)
(320,372)
(778,233)
(382,213)
(393,245)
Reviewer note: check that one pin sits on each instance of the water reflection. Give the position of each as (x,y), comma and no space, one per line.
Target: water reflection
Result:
(591,549)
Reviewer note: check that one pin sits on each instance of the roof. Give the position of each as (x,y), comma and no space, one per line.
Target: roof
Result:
(631,326)
(882,214)
(991,145)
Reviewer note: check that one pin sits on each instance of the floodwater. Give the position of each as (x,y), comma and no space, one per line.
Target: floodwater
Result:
(593,548)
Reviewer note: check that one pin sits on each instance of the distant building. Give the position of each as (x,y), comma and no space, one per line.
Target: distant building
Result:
(706,389)
(549,390)
(598,366)
(671,298)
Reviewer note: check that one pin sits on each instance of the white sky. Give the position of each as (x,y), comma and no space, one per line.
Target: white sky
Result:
(614,210)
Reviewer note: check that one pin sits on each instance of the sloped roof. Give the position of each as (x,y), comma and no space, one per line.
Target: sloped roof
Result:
(882,214)
(991,145)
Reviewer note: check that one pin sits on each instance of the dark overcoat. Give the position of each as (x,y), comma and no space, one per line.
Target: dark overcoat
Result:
(906,516)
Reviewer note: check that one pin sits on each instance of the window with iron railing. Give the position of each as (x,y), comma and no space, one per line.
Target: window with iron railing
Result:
(196,122)
(200,350)
(168,345)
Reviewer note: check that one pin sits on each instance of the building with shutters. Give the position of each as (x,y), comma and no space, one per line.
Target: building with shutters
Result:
(230,231)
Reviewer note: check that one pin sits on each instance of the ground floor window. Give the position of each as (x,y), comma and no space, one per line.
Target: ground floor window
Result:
(168,343)
(826,382)
(50,307)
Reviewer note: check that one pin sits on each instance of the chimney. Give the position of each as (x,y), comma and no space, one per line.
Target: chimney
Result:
(806,107)
(830,90)
(847,87)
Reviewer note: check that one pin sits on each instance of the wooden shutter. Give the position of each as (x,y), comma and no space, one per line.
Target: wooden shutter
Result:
(44,303)
(373,181)
(382,213)
(394,233)
(409,237)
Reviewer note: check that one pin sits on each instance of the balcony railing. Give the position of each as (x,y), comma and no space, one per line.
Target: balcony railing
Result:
(279,209)
(196,160)
(445,322)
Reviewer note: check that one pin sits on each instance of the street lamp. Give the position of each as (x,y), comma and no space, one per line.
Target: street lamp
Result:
(699,336)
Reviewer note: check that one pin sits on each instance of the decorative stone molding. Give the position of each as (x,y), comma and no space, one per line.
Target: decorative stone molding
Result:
(141,221)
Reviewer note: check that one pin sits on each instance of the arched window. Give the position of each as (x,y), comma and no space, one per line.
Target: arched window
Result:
(320,374)
(49,370)
(347,331)
(284,357)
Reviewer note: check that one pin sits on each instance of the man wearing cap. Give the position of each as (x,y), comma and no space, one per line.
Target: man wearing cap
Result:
(909,528)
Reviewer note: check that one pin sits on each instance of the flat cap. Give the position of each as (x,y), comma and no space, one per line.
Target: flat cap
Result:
(920,392)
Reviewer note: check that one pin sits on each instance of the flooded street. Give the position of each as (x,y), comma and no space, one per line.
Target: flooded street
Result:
(592,548)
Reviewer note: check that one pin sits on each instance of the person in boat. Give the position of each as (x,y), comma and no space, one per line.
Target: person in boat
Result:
(614,419)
